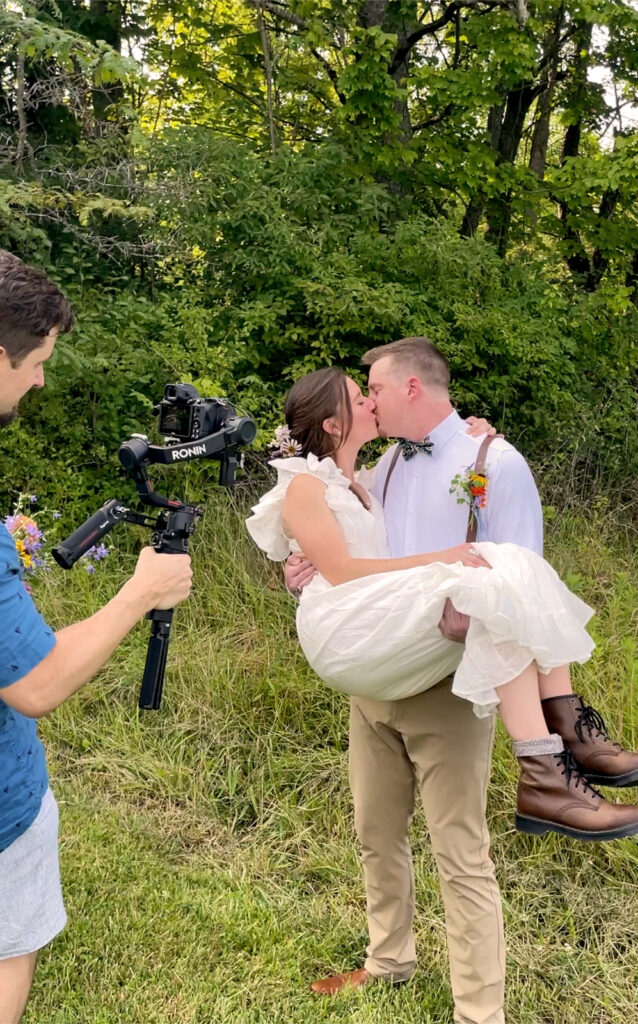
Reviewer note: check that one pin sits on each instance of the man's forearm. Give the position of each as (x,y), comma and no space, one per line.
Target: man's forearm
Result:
(80,651)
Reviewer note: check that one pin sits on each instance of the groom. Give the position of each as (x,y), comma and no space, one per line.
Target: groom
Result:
(433,743)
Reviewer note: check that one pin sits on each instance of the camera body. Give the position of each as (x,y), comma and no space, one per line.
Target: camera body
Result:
(184,415)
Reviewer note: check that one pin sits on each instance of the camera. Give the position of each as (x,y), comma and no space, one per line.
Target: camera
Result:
(186,416)
(203,428)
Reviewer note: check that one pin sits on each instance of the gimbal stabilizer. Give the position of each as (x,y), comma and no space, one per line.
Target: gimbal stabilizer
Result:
(173,525)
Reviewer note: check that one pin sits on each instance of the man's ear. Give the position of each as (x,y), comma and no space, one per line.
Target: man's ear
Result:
(414,387)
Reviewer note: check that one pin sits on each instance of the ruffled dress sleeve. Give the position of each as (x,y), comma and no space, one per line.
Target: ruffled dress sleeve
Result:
(265,526)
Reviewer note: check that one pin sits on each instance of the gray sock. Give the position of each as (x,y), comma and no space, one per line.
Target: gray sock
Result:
(534,748)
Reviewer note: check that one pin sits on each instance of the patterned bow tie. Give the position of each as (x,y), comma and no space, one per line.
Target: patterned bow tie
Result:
(410,448)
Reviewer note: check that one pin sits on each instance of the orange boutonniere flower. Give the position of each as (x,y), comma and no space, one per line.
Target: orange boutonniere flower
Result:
(470,489)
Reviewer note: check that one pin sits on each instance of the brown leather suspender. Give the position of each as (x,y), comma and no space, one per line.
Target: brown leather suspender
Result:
(479,467)
(393,463)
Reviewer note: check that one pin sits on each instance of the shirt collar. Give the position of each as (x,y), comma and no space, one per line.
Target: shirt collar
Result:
(445,431)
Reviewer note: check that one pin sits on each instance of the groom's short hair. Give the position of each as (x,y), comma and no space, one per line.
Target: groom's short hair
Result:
(419,355)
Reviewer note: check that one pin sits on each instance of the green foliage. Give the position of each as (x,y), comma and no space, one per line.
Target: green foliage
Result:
(193,256)
(295,263)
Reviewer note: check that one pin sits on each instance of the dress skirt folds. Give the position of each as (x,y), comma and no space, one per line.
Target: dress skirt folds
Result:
(378,636)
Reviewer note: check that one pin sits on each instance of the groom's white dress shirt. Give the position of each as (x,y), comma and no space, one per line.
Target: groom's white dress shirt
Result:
(420,513)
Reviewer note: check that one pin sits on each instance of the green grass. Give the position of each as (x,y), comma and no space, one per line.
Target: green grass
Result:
(208,856)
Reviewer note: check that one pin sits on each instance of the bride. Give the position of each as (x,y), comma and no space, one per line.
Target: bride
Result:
(368,623)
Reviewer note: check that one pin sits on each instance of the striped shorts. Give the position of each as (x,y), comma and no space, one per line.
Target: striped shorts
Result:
(31,907)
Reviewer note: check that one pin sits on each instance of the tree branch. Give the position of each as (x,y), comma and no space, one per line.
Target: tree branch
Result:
(265,45)
(425,30)
(331,73)
(435,119)
(280,12)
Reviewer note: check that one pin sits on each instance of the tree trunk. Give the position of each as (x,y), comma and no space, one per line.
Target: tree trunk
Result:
(499,210)
(600,261)
(265,46)
(375,13)
(540,136)
(105,23)
(474,211)
(576,258)
(631,279)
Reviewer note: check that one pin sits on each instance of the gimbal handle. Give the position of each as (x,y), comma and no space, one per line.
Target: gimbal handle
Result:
(93,529)
(171,536)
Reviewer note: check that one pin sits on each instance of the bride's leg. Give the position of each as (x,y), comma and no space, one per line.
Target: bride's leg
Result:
(520,706)
(556,683)
(599,758)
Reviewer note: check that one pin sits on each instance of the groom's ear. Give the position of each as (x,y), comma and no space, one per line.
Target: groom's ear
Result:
(414,387)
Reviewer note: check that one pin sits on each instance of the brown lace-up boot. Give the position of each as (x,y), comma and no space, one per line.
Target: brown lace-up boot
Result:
(599,758)
(554,797)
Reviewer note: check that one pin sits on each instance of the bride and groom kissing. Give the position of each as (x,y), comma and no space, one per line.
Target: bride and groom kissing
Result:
(384,553)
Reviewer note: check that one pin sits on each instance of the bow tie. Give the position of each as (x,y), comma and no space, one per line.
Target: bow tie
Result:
(410,448)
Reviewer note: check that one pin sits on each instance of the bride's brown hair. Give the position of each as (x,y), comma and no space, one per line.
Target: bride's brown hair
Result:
(312,399)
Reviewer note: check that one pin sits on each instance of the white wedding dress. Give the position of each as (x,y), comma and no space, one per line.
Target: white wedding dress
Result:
(378,636)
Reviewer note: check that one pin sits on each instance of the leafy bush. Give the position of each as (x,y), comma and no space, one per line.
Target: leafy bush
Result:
(280,266)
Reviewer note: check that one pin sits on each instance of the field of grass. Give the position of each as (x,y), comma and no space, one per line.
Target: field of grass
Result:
(208,855)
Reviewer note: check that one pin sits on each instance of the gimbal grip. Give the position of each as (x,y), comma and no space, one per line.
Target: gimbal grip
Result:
(156,652)
(89,533)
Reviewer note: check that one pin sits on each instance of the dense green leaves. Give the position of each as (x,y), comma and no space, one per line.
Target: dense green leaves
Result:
(235,192)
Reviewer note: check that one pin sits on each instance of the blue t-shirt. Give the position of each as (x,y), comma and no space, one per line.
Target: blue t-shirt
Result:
(25,639)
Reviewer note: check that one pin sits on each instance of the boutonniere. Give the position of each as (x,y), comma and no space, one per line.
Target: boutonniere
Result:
(470,488)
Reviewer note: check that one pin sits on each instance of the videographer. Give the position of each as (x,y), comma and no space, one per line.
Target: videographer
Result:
(39,669)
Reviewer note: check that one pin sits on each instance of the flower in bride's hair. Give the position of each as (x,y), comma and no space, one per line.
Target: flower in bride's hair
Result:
(283,444)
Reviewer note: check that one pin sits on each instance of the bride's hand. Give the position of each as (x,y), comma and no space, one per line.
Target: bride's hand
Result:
(478,426)
(467,554)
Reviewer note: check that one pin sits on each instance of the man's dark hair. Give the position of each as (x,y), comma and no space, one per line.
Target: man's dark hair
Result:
(30,307)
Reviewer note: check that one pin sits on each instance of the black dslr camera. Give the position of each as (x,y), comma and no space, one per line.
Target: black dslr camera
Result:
(201,428)
(183,414)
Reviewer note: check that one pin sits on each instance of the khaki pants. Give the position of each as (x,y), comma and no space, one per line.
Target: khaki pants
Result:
(435,742)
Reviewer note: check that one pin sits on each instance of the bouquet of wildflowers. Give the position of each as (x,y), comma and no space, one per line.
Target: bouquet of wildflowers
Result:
(30,539)
(27,536)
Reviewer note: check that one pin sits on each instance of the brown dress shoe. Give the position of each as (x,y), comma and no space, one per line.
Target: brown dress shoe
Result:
(554,797)
(599,758)
(330,986)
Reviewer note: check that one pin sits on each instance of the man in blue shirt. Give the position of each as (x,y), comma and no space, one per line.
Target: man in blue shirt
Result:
(39,669)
